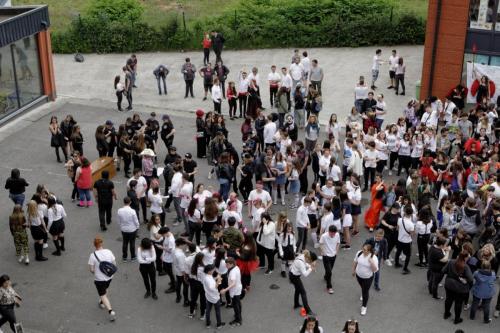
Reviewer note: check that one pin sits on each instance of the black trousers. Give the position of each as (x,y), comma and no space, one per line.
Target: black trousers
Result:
(206,56)
(328,263)
(272,94)
(299,291)
(392,239)
(264,253)
(415,163)
(170,273)
(159,262)
(195,231)
(144,208)
(242,99)
(433,283)
(181,283)
(197,291)
(369,174)
(119,99)
(217,107)
(105,213)
(232,107)
(148,274)
(404,163)
(128,242)
(423,250)
(381,165)
(365,285)
(126,163)
(236,302)
(189,88)
(129,97)
(301,238)
(288,99)
(8,315)
(400,78)
(245,187)
(303,182)
(406,249)
(393,157)
(458,299)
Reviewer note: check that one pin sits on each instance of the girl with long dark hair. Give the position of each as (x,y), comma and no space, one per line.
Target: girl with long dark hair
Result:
(146,256)
(77,140)
(457,285)
(57,139)
(194,221)
(119,88)
(56,215)
(364,268)
(18,225)
(311,325)
(247,259)
(196,287)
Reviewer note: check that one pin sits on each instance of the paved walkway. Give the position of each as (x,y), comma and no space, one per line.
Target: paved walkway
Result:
(93,79)
(59,295)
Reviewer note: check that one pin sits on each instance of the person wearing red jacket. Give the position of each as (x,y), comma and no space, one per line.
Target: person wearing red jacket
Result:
(207,43)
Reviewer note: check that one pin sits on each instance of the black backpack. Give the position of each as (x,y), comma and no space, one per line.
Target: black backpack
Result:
(79,57)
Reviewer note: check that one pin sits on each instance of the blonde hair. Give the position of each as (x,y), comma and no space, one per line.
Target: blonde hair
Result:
(32,209)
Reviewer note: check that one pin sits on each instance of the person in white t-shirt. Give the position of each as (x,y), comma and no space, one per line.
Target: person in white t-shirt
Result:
(101,280)
(364,268)
(360,94)
(376,67)
(296,72)
(185,195)
(406,229)
(210,285)
(393,60)
(306,64)
(259,193)
(234,287)
(140,190)
(329,244)
(370,157)
(274,79)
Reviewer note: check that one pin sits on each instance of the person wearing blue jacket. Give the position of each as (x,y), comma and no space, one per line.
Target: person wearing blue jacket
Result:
(483,290)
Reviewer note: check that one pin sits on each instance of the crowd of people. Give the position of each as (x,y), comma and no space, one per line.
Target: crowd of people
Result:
(446,198)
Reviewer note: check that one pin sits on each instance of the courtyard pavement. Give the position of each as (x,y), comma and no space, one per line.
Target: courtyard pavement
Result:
(59,295)
(93,79)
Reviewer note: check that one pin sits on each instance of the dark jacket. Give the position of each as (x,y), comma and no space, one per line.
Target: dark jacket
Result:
(158,73)
(382,247)
(458,283)
(223,73)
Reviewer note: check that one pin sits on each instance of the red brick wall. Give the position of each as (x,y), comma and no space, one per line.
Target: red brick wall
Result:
(449,49)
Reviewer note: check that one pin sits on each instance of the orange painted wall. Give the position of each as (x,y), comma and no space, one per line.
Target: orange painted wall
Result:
(46,64)
(449,49)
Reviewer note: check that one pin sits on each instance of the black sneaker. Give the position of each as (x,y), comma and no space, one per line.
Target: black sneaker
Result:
(221,325)
(169,291)
(406,271)
(147,294)
(283,274)
(155,297)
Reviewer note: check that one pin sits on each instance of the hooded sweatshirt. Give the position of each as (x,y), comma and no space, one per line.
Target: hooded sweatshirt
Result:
(484,284)
(471,220)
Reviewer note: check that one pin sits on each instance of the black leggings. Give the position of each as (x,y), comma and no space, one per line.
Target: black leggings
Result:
(365,285)
(194,232)
(243,105)
(232,107)
(245,187)
(170,273)
(415,163)
(8,315)
(404,163)
(393,157)
(381,165)
(458,299)
(180,282)
(263,252)
(406,249)
(369,173)
(206,56)
(149,276)
(423,250)
(299,290)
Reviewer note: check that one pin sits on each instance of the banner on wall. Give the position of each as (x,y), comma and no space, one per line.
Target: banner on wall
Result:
(474,74)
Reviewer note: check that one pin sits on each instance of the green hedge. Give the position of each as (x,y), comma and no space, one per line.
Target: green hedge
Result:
(250,24)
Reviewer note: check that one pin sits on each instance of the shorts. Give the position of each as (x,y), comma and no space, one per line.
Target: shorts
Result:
(392,74)
(102,287)
(207,86)
(347,221)
(355,210)
(57,227)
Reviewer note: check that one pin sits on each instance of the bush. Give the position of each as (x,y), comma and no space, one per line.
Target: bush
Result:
(250,24)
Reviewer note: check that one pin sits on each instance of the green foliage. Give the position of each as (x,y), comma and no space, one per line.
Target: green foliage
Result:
(115,10)
(250,24)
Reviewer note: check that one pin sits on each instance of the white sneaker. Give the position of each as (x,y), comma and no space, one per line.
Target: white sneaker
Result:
(45,245)
(390,172)
(466,307)
(320,257)
(210,175)
(112,316)
(20,260)
(496,314)
(388,262)
(316,246)
(363,310)
(26,260)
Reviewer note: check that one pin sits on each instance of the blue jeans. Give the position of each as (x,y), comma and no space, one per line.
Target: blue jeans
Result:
(161,78)
(84,194)
(379,122)
(377,279)
(18,199)
(224,189)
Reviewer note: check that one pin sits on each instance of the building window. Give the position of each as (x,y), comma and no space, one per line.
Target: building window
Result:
(482,14)
(495,61)
(20,75)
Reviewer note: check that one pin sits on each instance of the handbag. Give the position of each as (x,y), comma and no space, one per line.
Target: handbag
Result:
(106,267)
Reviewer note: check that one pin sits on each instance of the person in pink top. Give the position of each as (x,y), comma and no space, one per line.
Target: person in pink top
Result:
(83,179)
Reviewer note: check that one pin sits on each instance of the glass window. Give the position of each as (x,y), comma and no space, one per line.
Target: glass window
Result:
(481,14)
(497,25)
(495,61)
(8,94)
(29,79)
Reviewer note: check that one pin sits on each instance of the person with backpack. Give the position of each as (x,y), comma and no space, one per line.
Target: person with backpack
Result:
(471,219)
(98,259)
(379,245)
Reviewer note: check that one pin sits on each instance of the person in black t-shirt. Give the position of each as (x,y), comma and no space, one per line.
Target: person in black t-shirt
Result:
(167,131)
(16,186)
(104,192)
(207,73)
(190,166)
(152,127)
(389,223)
(438,257)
